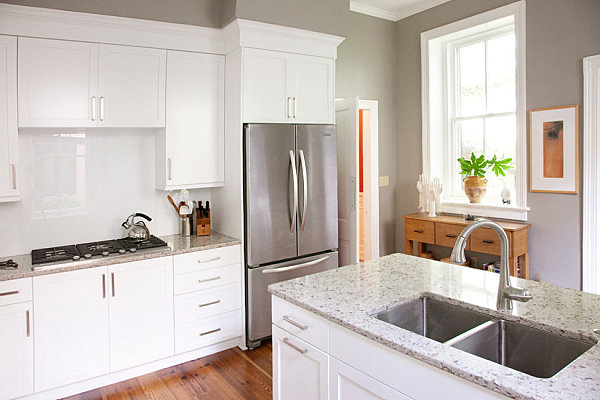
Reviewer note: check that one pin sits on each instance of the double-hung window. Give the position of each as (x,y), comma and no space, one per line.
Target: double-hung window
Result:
(473,102)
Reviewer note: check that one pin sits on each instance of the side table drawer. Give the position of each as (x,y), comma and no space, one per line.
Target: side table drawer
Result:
(208,331)
(446,234)
(190,307)
(421,231)
(207,278)
(485,240)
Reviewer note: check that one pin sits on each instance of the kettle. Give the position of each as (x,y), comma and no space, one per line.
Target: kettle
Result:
(137,231)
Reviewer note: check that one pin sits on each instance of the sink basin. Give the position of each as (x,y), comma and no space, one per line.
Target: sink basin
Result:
(532,351)
(435,319)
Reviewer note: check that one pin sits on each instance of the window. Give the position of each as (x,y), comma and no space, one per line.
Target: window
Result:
(473,101)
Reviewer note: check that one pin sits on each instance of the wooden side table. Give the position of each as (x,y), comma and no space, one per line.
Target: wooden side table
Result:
(443,231)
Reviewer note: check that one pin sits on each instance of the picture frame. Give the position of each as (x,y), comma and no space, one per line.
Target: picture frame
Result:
(554,149)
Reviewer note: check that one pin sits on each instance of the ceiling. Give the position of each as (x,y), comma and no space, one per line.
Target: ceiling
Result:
(392,10)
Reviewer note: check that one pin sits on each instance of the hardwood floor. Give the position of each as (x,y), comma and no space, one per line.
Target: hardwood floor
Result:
(230,374)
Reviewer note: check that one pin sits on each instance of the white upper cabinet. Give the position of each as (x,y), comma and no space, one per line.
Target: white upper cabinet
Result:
(131,87)
(284,87)
(9,146)
(76,84)
(190,152)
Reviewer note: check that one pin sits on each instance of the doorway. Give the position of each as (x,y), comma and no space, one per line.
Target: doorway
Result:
(358,176)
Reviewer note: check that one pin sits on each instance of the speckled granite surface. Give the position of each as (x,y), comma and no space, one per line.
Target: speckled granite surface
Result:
(177,245)
(349,295)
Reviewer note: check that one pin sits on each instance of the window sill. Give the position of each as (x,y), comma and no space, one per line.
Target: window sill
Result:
(485,210)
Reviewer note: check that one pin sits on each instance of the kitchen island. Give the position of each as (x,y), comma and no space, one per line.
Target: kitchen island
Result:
(347,298)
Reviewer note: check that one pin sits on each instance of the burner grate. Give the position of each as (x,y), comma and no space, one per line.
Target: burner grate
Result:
(8,264)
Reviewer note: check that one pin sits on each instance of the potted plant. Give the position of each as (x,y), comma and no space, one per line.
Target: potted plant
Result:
(475,168)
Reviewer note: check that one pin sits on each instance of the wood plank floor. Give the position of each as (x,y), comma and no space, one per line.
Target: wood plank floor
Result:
(230,374)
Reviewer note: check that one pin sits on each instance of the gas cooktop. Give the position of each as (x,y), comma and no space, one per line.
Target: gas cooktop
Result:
(41,258)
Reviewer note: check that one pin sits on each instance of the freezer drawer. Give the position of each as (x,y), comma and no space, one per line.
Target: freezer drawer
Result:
(259,300)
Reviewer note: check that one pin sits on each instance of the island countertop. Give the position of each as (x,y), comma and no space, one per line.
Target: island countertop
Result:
(178,244)
(348,296)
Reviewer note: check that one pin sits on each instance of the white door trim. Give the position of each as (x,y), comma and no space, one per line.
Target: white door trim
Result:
(591,157)
(373,107)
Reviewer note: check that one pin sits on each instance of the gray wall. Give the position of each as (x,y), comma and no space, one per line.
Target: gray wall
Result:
(559,34)
(191,12)
(364,68)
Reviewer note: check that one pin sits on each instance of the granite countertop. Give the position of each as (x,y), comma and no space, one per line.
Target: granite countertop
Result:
(177,245)
(349,296)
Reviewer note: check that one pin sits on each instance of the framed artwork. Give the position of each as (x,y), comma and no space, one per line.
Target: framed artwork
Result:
(553,157)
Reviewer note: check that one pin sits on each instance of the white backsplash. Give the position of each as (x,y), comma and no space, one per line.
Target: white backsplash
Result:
(79,185)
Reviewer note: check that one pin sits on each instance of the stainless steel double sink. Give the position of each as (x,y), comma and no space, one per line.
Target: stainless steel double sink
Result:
(530,350)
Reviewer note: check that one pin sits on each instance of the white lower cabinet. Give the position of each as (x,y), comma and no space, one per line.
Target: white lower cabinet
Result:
(78,338)
(347,383)
(359,368)
(141,312)
(300,371)
(16,336)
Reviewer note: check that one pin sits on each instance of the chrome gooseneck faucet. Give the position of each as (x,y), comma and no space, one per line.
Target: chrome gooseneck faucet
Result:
(506,292)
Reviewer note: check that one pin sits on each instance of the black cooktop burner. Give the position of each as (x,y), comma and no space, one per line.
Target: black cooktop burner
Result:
(84,251)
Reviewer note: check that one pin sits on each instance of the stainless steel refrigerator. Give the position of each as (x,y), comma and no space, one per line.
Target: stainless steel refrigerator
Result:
(291,217)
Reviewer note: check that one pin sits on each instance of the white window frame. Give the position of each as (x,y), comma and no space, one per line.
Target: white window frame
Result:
(435,111)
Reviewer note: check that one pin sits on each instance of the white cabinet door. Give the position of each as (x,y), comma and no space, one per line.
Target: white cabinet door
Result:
(300,371)
(141,312)
(310,83)
(9,146)
(131,87)
(57,83)
(16,352)
(264,80)
(347,383)
(195,122)
(71,327)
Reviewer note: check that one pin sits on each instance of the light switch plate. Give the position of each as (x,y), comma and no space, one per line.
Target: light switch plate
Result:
(384,181)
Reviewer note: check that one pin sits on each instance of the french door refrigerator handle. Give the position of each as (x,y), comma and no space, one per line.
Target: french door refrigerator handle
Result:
(305,193)
(293,267)
(295,178)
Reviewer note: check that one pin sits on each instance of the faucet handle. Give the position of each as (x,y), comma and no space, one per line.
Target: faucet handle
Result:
(518,294)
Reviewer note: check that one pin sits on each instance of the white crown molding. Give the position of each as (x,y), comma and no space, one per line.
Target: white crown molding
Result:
(68,25)
(394,15)
(260,35)
(373,11)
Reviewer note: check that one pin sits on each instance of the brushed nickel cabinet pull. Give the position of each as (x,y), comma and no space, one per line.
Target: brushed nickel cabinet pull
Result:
(112,281)
(94,109)
(488,241)
(14,176)
(9,293)
(209,304)
(216,278)
(209,332)
(28,323)
(298,325)
(170,168)
(101,108)
(293,346)
(209,260)
(450,236)
(295,107)
(418,231)
(103,286)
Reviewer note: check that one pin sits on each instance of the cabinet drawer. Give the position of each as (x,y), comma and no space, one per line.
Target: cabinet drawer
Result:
(421,231)
(15,291)
(191,262)
(205,303)
(207,278)
(301,323)
(208,331)
(446,234)
(486,241)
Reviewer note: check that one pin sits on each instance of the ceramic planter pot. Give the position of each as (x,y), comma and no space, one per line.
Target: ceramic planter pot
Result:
(475,188)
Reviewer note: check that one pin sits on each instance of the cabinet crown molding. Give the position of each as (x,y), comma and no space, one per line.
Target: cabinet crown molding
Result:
(69,25)
(260,35)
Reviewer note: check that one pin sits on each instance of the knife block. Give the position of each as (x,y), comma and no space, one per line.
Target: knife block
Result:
(203,226)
